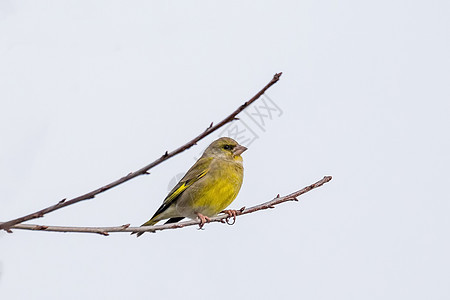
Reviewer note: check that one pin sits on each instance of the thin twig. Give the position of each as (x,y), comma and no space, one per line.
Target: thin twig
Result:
(143,170)
(220,218)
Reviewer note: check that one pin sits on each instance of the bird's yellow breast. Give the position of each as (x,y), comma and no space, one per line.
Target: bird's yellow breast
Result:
(215,191)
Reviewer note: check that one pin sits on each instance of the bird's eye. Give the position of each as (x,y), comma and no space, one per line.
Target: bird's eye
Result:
(227,147)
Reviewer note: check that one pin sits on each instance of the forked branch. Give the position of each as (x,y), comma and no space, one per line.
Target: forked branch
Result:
(144,170)
(220,218)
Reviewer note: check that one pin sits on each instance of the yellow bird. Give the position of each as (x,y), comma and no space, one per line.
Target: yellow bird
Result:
(208,187)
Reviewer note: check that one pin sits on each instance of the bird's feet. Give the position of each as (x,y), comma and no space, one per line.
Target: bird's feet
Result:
(203,220)
(231,213)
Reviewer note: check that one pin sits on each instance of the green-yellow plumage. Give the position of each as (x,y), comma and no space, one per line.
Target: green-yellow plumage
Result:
(208,187)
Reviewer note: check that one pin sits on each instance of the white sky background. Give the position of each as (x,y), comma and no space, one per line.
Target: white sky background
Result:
(91,90)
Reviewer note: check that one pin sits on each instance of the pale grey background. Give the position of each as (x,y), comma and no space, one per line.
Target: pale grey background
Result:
(91,90)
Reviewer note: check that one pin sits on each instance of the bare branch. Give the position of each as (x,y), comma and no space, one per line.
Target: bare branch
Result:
(143,170)
(220,218)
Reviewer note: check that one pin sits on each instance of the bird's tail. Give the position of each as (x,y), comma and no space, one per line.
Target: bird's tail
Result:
(150,222)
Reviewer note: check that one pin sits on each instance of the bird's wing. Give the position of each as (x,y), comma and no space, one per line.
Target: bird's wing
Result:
(197,171)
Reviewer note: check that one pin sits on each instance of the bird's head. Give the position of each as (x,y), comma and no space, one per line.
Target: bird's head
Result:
(225,148)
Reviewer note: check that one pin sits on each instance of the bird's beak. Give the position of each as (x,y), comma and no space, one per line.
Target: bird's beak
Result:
(238,150)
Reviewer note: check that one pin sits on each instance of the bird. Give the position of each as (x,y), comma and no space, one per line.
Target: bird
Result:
(207,188)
